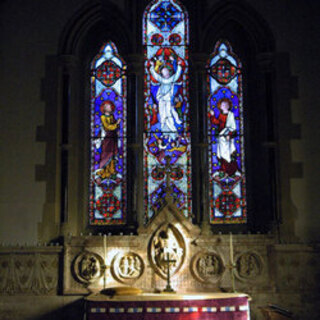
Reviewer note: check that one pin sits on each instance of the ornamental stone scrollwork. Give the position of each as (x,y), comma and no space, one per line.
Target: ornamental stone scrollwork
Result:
(166,243)
(207,267)
(127,267)
(88,267)
(248,266)
(29,273)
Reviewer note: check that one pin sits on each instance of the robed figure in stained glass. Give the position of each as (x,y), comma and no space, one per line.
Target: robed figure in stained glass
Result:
(108,138)
(109,144)
(227,181)
(226,149)
(168,115)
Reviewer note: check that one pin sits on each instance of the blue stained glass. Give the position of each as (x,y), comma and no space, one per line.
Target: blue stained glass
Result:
(107,203)
(167,141)
(166,16)
(227,191)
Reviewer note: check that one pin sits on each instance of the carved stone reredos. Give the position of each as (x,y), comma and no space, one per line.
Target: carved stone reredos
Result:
(171,233)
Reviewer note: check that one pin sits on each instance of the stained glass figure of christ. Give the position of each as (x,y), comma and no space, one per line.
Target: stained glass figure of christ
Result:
(167,162)
(227,191)
(107,203)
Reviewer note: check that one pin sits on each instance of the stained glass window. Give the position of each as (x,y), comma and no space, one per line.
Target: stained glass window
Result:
(167,162)
(227,185)
(107,203)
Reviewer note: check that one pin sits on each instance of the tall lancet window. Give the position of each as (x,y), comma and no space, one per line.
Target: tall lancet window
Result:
(167,162)
(107,203)
(227,192)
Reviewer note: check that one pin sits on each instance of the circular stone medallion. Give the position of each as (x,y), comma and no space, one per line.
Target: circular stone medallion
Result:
(88,267)
(248,266)
(127,267)
(207,267)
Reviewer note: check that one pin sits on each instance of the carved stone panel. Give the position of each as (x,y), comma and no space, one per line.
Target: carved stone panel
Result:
(207,267)
(127,267)
(88,267)
(248,266)
(34,273)
(167,243)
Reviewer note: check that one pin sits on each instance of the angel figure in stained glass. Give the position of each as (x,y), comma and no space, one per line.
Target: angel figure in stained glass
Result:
(167,78)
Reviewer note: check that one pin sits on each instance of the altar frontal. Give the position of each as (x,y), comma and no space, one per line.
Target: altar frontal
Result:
(222,306)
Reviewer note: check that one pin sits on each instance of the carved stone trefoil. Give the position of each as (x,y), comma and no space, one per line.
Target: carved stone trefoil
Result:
(127,267)
(166,243)
(88,267)
(248,266)
(207,267)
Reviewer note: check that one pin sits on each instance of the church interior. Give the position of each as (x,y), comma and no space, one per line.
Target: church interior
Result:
(163,150)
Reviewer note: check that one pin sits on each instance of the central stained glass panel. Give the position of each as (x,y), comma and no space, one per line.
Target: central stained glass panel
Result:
(167,141)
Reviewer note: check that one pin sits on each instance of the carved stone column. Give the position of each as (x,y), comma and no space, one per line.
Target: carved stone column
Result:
(68,143)
(280,87)
(266,70)
(135,138)
(199,138)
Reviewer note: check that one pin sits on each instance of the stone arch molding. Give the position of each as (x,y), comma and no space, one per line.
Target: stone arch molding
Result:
(86,19)
(65,92)
(242,14)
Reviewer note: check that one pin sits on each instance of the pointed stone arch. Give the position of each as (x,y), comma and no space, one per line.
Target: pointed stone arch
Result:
(67,96)
(266,104)
(241,16)
(92,17)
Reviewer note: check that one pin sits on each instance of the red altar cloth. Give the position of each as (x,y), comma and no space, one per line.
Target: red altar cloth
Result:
(222,306)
